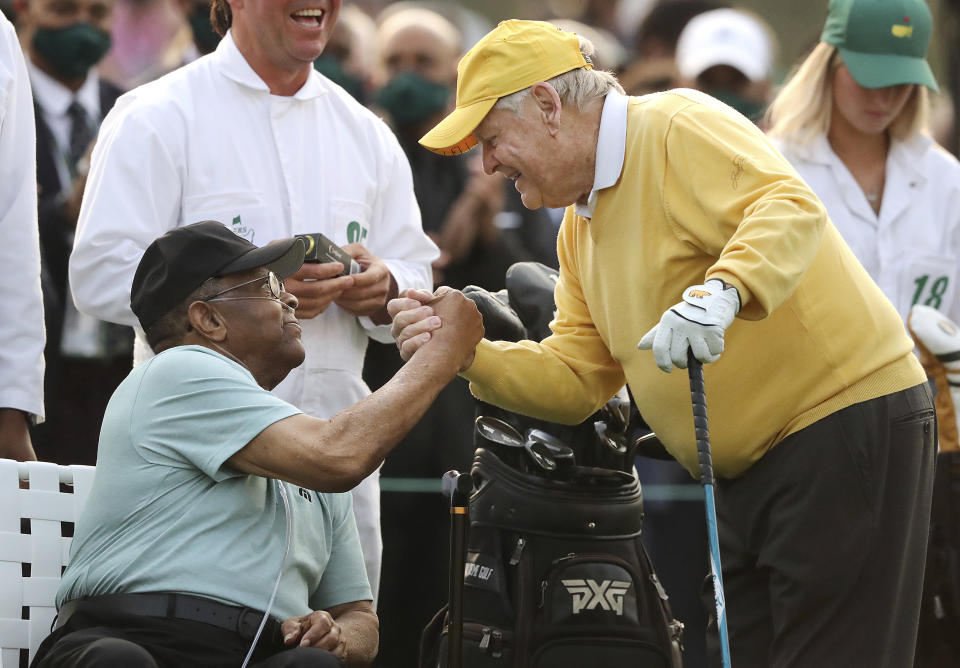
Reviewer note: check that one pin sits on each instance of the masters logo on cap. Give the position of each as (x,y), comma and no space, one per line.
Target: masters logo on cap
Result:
(882,42)
(513,56)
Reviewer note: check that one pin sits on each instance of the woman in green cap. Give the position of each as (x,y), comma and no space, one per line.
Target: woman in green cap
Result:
(852,121)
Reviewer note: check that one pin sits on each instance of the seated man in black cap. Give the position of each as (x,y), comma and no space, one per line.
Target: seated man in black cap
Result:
(213,517)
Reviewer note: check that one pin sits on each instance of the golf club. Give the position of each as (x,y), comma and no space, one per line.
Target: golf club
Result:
(609,438)
(503,433)
(557,450)
(699,400)
(498,431)
(457,486)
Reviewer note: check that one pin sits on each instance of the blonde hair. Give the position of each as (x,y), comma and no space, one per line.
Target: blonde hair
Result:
(802,109)
(577,87)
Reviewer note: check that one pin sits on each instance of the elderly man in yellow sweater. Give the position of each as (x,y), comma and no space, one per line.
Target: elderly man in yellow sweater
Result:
(686,228)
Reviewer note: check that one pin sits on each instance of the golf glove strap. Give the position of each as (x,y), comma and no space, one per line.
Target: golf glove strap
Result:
(697,323)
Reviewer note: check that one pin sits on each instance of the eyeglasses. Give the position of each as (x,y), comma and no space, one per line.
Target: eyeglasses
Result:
(275,284)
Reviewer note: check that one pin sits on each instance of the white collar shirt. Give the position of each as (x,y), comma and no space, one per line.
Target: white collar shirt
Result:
(53,99)
(611,147)
(209,142)
(911,248)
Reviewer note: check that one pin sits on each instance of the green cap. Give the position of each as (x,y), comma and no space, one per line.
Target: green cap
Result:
(883,42)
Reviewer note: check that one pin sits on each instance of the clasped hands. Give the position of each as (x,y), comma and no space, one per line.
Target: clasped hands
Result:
(445,316)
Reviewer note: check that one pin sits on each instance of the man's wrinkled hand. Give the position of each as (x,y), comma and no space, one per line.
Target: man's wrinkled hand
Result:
(371,288)
(446,320)
(413,319)
(318,629)
(461,327)
(316,286)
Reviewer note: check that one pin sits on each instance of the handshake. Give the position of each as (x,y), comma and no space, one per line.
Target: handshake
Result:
(697,323)
(444,323)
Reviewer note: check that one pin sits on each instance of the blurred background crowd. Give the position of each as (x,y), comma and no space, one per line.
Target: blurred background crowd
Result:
(400,58)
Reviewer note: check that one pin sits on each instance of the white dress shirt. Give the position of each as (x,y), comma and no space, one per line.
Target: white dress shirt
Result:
(54,99)
(21,306)
(912,247)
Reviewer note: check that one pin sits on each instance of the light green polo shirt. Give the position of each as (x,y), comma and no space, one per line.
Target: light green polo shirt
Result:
(167,515)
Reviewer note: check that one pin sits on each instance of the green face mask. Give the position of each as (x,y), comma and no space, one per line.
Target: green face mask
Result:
(204,35)
(410,99)
(73,50)
(331,68)
(749,108)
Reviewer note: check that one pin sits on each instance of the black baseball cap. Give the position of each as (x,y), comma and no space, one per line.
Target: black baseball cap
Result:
(176,264)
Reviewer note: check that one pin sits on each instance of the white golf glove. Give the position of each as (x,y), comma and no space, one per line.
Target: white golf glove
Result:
(698,322)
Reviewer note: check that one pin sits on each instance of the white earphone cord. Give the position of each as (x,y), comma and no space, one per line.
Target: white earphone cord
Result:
(276,585)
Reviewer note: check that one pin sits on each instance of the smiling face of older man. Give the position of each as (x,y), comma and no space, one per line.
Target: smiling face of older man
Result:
(527,93)
(546,148)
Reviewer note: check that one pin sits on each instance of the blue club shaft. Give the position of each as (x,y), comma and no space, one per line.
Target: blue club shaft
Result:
(699,400)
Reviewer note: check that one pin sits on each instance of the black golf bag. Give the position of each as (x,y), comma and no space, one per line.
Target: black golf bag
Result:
(555,574)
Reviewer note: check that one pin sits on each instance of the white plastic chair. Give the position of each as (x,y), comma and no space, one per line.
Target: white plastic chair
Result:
(27,606)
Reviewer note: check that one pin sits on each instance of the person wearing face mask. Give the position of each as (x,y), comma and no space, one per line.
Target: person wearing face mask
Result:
(852,120)
(728,54)
(477,221)
(348,60)
(197,13)
(64,42)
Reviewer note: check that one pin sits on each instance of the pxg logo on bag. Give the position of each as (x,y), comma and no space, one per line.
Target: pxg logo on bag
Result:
(321,249)
(589,594)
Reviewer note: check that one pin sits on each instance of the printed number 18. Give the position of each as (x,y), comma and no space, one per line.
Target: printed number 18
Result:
(935,295)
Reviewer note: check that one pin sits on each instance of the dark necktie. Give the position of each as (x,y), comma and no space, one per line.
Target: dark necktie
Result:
(81,134)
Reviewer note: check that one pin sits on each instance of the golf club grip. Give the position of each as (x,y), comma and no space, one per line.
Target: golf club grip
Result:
(698,398)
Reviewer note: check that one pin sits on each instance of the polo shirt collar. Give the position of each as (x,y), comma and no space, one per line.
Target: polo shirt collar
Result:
(611,147)
(908,153)
(234,66)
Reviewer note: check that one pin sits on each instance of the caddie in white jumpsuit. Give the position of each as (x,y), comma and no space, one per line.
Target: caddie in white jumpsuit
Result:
(911,248)
(214,141)
(21,303)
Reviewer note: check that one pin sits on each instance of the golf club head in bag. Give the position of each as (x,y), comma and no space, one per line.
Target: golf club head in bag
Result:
(608,439)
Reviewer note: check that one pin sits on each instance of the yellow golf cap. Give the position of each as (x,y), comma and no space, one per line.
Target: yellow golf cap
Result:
(513,56)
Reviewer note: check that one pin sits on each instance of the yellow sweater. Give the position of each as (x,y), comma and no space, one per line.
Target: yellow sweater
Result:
(703,194)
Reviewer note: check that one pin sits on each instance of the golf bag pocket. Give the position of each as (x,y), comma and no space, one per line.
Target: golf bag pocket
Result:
(484,646)
(591,612)
(486,580)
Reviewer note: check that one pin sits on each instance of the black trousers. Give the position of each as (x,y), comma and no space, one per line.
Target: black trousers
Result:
(823,540)
(111,640)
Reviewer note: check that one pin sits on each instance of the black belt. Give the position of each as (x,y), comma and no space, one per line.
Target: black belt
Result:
(242,621)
